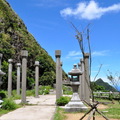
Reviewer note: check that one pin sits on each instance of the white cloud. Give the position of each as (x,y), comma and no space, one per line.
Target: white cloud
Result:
(51,3)
(77,54)
(73,54)
(100,53)
(91,10)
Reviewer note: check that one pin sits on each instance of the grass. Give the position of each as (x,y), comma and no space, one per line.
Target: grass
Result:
(8,105)
(102,100)
(3,111)
(113,110)
(43,90)
(59,114)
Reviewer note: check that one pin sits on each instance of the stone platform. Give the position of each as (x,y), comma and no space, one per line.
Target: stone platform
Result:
(75,105)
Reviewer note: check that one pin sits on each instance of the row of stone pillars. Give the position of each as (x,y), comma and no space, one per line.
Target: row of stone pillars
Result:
(84,89)
(24,55)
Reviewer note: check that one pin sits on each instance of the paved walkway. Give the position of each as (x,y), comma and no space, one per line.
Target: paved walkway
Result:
(42,108)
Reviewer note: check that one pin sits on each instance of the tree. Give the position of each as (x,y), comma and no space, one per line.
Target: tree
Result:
(96,87)
(48,78)
(115,81)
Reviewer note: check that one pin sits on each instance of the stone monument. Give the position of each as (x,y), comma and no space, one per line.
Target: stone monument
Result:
(75,105)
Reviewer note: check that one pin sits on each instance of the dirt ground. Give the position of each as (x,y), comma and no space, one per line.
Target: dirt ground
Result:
(77,116)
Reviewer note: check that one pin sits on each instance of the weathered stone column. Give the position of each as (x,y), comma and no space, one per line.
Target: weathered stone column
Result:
(10,78)
(18,78)
(24,55)
(87,89)
(82,87)
(79,89)
(58,75)
(37,79)
(61,76)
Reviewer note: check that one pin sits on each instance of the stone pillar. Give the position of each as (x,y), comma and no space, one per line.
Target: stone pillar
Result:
(24,55)
(82,87)
(58,75)
(36,79)
(79,89)
(10,78)
(61,76)
(87,89)
(18,78)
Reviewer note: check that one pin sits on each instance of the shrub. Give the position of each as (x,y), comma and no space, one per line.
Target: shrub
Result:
(67,90)
(9,104)
(14,92)
(15,97)
(110,96)
(62,100)
(44,90)
(2,95)
(30,92)
(47,78)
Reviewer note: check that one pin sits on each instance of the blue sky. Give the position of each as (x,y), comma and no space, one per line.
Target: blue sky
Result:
(49,22)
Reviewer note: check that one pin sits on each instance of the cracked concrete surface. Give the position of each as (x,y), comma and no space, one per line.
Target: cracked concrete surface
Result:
(42,108)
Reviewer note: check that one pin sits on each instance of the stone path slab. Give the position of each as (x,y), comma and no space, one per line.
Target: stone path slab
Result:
(43,108)
(31,113)
(42,100)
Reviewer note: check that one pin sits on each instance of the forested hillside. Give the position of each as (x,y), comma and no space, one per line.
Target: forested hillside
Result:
(14,37)
(105,85)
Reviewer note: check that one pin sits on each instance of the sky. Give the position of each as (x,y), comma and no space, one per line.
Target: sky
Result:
(49,21)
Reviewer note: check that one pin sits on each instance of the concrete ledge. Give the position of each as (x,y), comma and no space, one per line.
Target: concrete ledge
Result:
(75,109)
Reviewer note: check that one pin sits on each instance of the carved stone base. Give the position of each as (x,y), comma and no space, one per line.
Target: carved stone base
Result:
(75,105)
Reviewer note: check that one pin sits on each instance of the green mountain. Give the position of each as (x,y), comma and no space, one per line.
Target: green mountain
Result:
(14,37)
(107,87)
